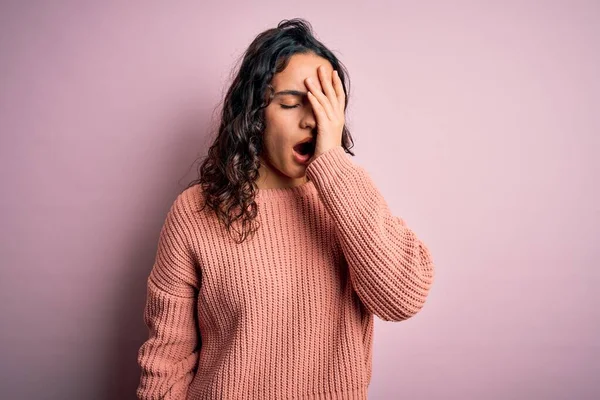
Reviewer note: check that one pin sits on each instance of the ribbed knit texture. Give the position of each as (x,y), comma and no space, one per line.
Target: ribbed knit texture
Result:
(288,313)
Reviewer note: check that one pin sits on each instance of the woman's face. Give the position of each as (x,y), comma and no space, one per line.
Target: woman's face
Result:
(286,127)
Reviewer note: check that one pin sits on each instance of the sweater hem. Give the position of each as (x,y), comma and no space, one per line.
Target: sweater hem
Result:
(352,394)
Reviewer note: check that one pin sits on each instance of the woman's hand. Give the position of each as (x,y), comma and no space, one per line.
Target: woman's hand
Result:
(328,108)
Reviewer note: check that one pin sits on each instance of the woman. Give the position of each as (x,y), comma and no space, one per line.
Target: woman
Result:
(270,291)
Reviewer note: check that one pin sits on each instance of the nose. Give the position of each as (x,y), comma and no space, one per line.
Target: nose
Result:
(308,118)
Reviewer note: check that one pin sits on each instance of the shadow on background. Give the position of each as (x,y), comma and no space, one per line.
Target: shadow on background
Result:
(130,331)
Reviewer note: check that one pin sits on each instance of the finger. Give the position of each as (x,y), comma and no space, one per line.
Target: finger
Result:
(317,108)
(321,98)
(326,83)
(339,89)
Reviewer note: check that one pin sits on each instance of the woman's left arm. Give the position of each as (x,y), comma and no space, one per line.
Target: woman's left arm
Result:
(390,268)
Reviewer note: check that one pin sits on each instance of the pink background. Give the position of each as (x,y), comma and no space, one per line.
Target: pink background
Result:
(478,121)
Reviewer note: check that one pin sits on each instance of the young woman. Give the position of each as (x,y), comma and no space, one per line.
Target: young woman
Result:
(271,266)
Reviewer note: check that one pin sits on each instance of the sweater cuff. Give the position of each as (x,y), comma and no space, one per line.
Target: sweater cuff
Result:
(330,166)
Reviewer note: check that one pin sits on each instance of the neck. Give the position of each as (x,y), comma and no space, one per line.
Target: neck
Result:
(270,178)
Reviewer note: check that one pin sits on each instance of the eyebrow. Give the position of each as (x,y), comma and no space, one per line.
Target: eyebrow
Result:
(291,93)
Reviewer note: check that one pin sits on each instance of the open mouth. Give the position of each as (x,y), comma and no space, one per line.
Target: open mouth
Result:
(304,151)
(305,148)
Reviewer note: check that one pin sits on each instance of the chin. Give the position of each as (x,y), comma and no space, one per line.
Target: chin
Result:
(296,172)
(300,173)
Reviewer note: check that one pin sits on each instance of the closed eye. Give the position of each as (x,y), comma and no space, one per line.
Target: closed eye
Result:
(287,107)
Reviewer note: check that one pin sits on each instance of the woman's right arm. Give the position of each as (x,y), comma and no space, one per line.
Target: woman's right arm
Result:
(169,357)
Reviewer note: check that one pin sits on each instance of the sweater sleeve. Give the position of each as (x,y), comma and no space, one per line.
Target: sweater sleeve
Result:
(391,270)
(168,358)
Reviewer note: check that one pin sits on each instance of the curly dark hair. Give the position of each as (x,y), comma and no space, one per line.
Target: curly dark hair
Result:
(229,171)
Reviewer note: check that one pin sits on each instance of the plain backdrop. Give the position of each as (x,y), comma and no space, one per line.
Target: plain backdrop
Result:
(478,121)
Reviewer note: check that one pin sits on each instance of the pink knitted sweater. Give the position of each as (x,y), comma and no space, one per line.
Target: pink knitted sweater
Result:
(288,313)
